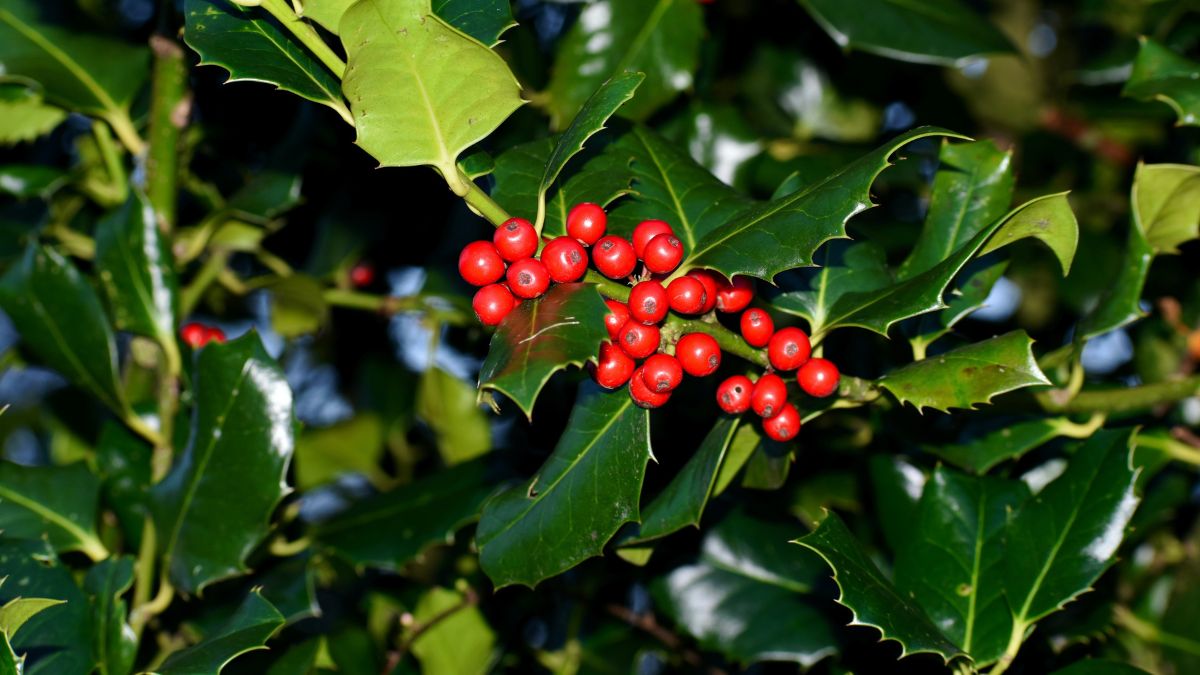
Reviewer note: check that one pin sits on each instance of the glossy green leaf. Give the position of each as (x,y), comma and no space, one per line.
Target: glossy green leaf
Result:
(602,105)
(137,270)
(484,20)
(783,234)
(123,464)
(10,663)
(460,643)
(450,407)
(897,485)
(240,444)
(77,68)
(1064,538)
(844,267)
(59,318)
(873,599)
(415,516)
(25,181)
(1120,305)
(15,612)
(58,503)
(1011,441)
(972,288)
(24,116)
(421,92)
(253,46)
(745,441)
(586,490)
(254,622)
(972,189)
(954,565)
(1162,75)
(1048,219)
(682,502)
(660,38)
(540,337)
(57,639)
(969,375)
(942,32)
(266,195)
(1166,204)
(114,645)
(747,596)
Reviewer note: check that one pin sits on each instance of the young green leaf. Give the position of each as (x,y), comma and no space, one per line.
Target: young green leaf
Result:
(954,566)
(421,92)
(56,639)
(942,32)
(591,118)
(459,639)
(24,116)
(15,612)
(783,234)
(1064,538)
(967,376)
(59,317)
(1162,75)
(241,443)
(587,489)
(57,503)
(114,644)
(450,407)
(871,597)
(542,336)
(254,622)
(252,45)
(658,37)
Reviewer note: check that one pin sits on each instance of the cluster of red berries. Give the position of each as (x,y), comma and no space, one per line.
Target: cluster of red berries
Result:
(196,335)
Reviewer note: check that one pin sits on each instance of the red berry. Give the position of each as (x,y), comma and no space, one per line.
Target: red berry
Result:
(788,349)
(586,222)
(711,286)
(639,340)
(686,295)
(735,296)
(362,274)
(642,395)
(614,257)
(480,263)
(757,327)
(492,303)
(784,426)
(617,315)
(663,253)
(819,377)
(648,301)
(645,231)
(516,239)
(770,395)
(613,368)
(662,372)
(528,278)
(565,260)
(214,334)
(193,334)
(734,394)
(698,353)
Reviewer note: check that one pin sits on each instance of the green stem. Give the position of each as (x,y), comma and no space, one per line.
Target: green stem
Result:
(116,189)
(141,428)
(1121,400)
(123,127)
(306,35)
(190,296)
(1170,447)
(169,106)
(1010,652)
(143,576)
(484,205)
(726,339)
(1151,633)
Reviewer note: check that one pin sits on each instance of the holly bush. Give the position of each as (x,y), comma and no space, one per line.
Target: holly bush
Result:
(256,422)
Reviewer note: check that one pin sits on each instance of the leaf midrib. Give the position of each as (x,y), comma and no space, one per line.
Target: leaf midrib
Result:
(62,58)
(41,511)
(684,221)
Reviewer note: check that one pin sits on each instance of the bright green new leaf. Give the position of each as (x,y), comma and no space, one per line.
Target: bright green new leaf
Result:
(57,503)
(298,305)
(421,91)
(351,446)
(254,622)
(459,643)
(1166,204)
(450,407)
(15,612)
(24,116)
(587,489)
(1162,75)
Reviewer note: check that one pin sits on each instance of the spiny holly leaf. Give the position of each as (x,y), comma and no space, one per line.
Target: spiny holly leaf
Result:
(24,116)
(1011,441)
(248,629)
(57,639)
(57,503)
(114,644)
(77,68)
(240,444)
(660,38)
(484,20)
(1063,539)
(748,576)
(15,612)
(137,270)
(252,45)
(871,597)
(845,267)
(682,502)
(669,185)
(783,234)
(1161,74)
(421,91)
(967,376)
(416,516)
(60,320)
(587,489)
(954,565)
(540,337)
(591,118)
(942,32)
(598,178)
(972,287)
